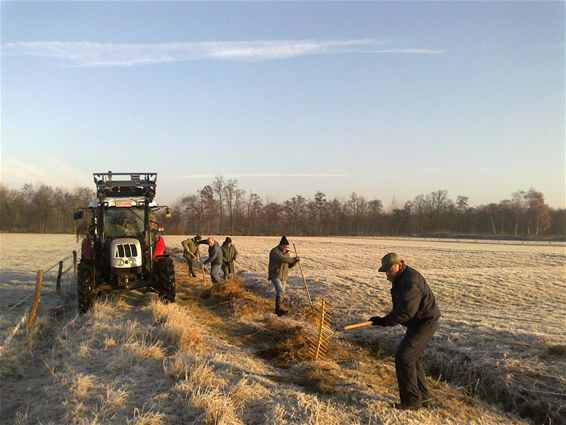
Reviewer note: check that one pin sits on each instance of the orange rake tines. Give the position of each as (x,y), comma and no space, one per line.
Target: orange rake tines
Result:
(318,341)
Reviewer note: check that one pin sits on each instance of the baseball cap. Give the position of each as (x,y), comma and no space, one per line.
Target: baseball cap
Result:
(388,260)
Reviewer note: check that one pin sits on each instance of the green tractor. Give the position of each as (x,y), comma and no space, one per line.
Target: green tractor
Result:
(121,250)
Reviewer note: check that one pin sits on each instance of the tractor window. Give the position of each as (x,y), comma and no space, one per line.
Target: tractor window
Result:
(122,222)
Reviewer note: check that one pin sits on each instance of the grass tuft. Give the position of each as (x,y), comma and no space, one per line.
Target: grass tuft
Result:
(557,350)
(177,326)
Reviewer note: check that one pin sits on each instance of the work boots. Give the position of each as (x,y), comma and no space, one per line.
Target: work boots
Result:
(279,310)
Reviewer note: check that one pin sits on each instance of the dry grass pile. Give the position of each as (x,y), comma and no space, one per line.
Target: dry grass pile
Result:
(281,343)
(233,295)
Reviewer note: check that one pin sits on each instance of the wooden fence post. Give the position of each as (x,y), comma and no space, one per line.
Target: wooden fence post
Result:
(35,303)
(59,273)
(75,263)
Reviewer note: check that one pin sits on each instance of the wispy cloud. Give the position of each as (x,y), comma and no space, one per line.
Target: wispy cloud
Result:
(124,55)
(211,176)
(52,172)
(555,47)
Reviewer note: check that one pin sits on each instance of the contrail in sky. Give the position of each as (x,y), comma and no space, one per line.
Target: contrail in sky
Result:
(211,176)
(91,54)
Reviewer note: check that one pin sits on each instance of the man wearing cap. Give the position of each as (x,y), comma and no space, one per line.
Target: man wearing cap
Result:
(415,308)
(279,264)
(229,254)
(190,247)
(214,258)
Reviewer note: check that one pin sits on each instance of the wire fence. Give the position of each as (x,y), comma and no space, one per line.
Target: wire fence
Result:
(49,278)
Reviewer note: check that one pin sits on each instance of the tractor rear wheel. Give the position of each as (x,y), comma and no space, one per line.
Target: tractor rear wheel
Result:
(165,279)
(85,286)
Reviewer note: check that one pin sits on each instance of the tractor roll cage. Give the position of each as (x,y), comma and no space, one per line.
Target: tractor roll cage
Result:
(125,185)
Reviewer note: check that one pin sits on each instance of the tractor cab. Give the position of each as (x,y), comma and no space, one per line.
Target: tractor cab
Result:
(118,251)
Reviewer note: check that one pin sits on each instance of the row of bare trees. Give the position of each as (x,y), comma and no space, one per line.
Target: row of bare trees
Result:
(41,209)
(222,207)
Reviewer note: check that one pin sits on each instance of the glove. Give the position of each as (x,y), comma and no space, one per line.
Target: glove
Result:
(297,259)
(377,321)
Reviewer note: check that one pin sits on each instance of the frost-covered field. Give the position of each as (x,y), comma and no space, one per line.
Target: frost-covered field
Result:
(481,288)
(502,305)
(21,256)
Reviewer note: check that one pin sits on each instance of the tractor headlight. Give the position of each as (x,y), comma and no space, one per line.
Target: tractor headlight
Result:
(120,262)
(133,262)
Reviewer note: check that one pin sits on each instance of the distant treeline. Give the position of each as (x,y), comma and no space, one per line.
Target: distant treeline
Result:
(222,207)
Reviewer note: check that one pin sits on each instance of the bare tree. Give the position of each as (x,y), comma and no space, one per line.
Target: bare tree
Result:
(539,211)
(272,213)
(336,212)
(218,186)
(232,197)
(193,205)
(518,205)
(253,210)
(319,210)
(358,206)
(207,199)
(439,203)
(461,204)
(295,210)
(420,207)
(375,207)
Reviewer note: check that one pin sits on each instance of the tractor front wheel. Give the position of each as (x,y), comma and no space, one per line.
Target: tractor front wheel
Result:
(165,279)
(85,286)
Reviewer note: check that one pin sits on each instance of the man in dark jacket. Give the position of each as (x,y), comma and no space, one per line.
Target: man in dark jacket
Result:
(229,255)
(415,308)
(279,264)
(190,252)
(214,258)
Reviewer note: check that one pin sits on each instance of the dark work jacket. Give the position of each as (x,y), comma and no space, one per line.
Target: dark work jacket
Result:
(279,264)
(214,254)
(191,247)
(230,253)
(413,300)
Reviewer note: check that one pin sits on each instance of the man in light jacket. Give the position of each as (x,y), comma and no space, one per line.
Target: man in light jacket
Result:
(215,259)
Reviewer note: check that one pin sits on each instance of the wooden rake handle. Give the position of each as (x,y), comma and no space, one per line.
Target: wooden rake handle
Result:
(201,268)
(303,275)
(358,325)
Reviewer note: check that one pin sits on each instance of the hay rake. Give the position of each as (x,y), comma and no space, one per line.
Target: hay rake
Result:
(319,339)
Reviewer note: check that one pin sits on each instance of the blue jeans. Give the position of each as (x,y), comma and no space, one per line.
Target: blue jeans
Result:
(279,286)
(215,273)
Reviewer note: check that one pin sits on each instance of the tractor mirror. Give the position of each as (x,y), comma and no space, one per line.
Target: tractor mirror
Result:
(168,212)
(78,215)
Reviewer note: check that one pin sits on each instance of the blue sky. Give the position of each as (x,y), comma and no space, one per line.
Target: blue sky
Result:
(387,99)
